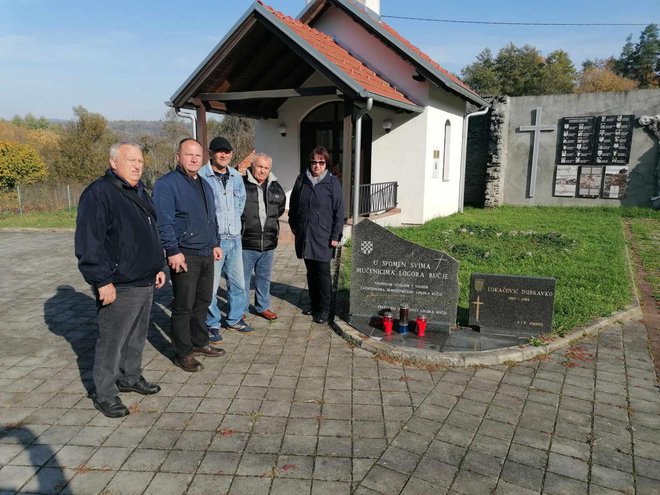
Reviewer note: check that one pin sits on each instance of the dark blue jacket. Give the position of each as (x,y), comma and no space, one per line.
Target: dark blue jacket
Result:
(116,239)
(316,216)
(185,222)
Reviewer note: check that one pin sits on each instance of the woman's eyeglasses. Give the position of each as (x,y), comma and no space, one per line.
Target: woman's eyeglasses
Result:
(317,162)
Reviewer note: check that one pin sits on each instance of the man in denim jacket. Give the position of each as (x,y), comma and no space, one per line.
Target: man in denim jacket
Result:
(229,191)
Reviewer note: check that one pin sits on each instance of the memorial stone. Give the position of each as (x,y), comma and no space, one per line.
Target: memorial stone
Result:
(388,272)
(511,305)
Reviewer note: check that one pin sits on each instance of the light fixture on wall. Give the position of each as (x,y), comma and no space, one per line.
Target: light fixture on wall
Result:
(282,130)
(418,77)
(387,125)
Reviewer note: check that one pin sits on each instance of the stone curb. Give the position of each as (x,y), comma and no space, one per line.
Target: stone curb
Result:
(423,357)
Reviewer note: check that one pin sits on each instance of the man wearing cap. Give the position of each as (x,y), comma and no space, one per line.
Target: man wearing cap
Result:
(229,191)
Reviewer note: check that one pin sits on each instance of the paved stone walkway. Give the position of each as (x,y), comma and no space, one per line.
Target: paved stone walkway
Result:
(294,409)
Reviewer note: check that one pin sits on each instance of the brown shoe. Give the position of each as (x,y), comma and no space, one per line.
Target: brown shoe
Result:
(188,363)
(209,351)
(268,314)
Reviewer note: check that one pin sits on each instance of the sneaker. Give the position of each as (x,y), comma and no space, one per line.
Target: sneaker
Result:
(241,326)
(214,335)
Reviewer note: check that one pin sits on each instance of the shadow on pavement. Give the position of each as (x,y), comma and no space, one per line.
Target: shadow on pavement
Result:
(49,473)
(72,315)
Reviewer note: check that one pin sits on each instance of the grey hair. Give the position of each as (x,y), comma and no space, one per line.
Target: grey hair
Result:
(263,156)
(114,149)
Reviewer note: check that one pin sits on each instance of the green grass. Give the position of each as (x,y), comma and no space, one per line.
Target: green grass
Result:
(43,219)
(582,248)
(647,246)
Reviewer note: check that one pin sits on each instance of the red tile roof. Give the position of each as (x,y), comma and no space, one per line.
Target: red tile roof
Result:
(341,58)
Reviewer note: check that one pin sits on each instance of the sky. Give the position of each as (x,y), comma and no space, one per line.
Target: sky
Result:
(124,59)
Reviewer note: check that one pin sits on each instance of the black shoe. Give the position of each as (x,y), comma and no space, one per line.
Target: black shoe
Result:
(208,351)
(321,318)
(188,363)
(142,386)
(309,311)
(113,408)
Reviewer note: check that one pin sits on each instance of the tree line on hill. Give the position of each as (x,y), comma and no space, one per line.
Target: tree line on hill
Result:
(524,71)
(35,149)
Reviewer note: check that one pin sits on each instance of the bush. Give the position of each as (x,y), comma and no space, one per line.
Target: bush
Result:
(20,164)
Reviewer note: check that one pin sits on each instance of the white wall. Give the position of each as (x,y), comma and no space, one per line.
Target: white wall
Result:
(398,155)
(441,197)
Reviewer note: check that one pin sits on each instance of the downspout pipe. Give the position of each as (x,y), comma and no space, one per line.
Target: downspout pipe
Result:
(190,117)
(466,121)
(358,150)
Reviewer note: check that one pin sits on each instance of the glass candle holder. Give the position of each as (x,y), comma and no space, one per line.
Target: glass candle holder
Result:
(403,318)
(421,325)
(388,322)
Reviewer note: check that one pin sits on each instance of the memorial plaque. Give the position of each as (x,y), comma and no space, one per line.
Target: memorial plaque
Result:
(614,137)
(388,271)
(589,182)
(511,305)
(566,180)
(614,182)
(576,140)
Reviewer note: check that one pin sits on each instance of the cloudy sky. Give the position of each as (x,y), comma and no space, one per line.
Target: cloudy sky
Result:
(123,58)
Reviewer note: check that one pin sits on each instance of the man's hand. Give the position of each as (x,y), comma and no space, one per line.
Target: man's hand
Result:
(177,263)
(217,253)
(160,279)
(107,294)
(334,243)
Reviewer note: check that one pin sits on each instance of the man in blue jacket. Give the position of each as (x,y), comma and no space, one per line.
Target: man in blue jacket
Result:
(120,256)
(188,231)
(229,191)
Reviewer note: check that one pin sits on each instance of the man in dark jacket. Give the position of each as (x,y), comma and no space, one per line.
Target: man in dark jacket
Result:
(120,256)
(260,229)
(187,226)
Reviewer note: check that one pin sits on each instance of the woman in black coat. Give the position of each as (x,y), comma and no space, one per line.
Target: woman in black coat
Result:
(316,217)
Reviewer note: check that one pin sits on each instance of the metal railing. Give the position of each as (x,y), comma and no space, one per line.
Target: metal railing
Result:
(377,198)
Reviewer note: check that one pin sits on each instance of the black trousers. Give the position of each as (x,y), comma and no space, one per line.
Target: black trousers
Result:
(319,285)
(123,327)
(192,295)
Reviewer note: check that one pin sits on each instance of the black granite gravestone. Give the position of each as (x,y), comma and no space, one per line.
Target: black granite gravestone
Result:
(511,305)
(388,271)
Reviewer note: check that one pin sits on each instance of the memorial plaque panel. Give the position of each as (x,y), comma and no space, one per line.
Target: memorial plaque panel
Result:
(566,180)
(511,305)
(576,141)
(614,182)
(589,182)
(614,139)
(388,271)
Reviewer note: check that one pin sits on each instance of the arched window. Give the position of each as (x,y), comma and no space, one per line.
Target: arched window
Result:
(445,156)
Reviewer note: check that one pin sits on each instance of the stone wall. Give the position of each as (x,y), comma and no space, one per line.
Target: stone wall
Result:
(505,168)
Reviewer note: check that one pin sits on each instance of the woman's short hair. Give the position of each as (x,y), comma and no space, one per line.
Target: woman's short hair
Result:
(320,150)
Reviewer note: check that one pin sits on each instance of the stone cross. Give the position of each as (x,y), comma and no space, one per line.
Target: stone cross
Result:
(536,128)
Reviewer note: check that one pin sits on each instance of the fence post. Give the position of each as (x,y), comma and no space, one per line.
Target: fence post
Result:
(20,205)
(68,195)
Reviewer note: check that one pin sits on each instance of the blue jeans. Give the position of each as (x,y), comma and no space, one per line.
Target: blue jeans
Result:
(232,262)
(261,263)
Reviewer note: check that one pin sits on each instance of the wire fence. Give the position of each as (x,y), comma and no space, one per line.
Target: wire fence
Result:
(47,196)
